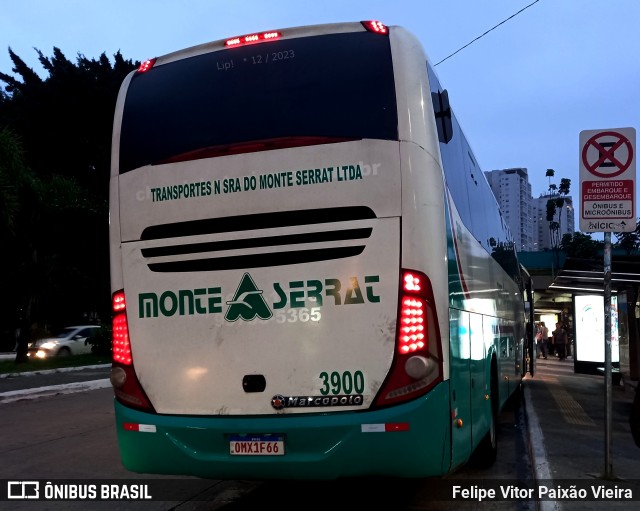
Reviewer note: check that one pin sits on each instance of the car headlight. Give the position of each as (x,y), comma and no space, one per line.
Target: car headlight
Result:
(49,345)
(37,343)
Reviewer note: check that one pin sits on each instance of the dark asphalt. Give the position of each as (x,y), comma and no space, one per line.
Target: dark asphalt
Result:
(563,429)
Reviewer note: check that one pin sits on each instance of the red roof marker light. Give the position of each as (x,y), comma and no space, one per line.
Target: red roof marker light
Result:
(252,39)
(146,65)
(376,26)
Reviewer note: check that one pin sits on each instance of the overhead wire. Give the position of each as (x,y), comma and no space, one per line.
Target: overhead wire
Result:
(492,28)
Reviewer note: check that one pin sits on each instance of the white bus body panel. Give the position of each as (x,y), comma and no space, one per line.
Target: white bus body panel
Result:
(193,362)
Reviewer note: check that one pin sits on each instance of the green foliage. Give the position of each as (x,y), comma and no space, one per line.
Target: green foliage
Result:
(629,241)
(11,168)
(555,203)
(55,147)
(101,341)
(65,120)
(551,210)
(580,245)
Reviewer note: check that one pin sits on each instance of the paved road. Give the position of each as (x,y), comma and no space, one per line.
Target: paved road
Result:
(62,435)
(73,435)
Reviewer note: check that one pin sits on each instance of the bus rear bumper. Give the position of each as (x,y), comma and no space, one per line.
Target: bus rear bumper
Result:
(408,440)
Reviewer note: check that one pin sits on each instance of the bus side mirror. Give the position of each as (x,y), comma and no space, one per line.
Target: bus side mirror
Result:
(442,111)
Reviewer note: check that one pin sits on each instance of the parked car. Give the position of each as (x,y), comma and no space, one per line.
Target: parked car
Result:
(72,340)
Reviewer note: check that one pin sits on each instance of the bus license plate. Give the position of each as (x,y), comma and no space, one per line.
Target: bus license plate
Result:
(267,445)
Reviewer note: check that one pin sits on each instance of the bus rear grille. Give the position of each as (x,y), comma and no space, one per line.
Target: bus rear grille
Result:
(297,249)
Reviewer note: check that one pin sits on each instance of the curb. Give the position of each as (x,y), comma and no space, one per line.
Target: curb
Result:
(537,451)
(52,371)
(52,390)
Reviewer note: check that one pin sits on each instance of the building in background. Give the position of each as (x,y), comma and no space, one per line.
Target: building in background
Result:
(525,215)
(513,192)
(564,216)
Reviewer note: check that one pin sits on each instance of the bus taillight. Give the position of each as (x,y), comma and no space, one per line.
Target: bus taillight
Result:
(146,65)
(416,365)
(252,39)
(375,26)
(120,346)
(119,304)
(412,330)
(123,378)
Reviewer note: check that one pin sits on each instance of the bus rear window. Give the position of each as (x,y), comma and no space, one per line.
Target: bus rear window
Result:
(337,86)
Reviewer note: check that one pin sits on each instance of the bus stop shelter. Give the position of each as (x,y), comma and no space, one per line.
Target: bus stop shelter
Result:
(584,278)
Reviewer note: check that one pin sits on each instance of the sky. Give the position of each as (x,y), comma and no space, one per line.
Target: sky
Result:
(522,92)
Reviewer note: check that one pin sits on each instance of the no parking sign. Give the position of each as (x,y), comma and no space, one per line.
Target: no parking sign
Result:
(608,180)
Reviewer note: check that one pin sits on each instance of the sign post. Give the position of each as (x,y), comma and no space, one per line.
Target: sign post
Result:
(607,180)
(607,191)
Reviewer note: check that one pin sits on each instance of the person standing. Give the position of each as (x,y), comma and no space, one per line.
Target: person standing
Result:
(541,339)
(551,349)
(560,341)
(546,339)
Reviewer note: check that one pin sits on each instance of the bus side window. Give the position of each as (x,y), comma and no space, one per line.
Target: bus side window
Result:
(442,110)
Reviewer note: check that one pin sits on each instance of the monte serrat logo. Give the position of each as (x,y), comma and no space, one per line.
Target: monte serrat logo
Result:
(247,302)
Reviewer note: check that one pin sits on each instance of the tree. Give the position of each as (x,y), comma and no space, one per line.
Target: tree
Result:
(11,169)
(65,121)
(580,245)
(557,200)
(13,176)
(629,241)
(43,271)
(550,173)
(54,218)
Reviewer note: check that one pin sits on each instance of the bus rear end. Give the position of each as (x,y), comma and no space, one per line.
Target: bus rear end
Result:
(264,326)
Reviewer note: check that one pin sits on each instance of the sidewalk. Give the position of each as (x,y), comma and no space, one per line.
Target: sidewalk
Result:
(49,382)
(566,420)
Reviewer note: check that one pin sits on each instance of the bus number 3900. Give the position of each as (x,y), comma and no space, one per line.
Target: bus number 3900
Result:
(345,383)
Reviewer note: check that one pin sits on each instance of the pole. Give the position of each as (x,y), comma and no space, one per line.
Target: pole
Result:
(608,464)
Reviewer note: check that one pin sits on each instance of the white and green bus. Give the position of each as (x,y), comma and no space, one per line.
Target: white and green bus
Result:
(311,276)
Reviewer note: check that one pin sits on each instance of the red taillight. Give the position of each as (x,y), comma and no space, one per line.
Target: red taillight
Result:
(412,316)
(411,282)
(416,365)
(412,330)
(146,65)
(375,26)
(252,39)
(119,303)
(413,304)
(125,382)
(120,346)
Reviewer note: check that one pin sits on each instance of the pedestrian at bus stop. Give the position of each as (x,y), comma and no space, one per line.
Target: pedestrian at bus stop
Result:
(541,339)
(560,339)
(551,349)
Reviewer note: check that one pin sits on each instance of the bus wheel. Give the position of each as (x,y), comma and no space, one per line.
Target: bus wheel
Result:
(487,450)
